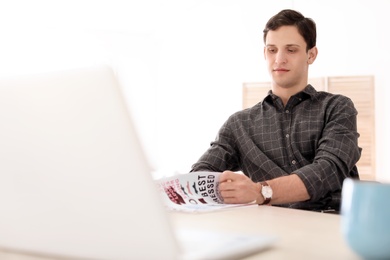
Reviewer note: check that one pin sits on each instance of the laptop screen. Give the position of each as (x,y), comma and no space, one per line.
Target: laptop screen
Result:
(74,180)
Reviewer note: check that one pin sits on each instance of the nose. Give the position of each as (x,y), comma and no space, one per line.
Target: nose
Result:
(280,57)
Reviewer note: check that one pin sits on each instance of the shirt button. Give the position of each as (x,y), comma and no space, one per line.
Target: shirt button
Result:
(293,162)
(287,135)
(287,111)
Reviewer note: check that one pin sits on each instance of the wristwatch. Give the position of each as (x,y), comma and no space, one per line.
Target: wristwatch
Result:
(266,191)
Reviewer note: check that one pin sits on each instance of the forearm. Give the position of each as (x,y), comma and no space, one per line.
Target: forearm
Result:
(287,189)
(239,188)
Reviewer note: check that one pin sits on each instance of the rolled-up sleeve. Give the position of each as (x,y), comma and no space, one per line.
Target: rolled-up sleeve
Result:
(337,152)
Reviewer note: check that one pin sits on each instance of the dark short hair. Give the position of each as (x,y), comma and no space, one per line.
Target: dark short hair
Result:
(306,26)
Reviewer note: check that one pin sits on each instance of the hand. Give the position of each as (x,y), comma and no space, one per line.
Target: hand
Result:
(237,188)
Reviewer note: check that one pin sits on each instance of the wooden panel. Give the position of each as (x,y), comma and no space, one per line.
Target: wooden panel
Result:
(359,88)
(253,93)
(318,83)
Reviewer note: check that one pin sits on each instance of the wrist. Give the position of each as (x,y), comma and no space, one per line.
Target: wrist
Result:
(260,197)
(265,193)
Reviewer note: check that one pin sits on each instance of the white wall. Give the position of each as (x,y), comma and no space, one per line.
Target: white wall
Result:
(182,63)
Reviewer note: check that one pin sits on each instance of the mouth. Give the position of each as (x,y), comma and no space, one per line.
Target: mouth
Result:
(281,70)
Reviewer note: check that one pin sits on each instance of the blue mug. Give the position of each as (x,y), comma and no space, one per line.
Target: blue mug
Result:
(365,218)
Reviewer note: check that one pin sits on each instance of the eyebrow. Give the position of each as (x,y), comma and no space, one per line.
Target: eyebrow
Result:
(288,45)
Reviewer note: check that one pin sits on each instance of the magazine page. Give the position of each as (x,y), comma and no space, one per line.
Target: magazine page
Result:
(193,192)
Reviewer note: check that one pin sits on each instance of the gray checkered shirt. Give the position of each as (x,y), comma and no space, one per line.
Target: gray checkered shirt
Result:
(313,136)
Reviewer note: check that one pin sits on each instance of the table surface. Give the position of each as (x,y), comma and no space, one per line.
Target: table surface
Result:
(301,234)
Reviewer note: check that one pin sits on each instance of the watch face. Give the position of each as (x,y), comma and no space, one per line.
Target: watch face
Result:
(266,191)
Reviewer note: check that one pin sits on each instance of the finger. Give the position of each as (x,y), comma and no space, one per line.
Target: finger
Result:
(226,176)
(230,200)
(227,194)
(225,186)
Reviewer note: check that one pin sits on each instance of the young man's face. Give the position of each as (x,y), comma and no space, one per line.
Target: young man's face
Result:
(287,58)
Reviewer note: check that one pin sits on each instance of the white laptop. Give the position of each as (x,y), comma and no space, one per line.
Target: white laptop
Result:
(74,181)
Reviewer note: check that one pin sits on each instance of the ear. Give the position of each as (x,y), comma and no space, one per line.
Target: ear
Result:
(312,55)
(264,50)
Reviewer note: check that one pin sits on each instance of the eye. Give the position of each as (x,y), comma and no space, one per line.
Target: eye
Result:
(291,50)
(271,50)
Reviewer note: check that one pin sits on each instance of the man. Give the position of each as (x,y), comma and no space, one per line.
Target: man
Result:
(297,145)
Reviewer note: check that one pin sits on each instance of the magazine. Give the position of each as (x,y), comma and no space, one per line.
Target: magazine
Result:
(193,192)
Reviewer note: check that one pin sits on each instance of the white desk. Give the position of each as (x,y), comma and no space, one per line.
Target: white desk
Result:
(303,234)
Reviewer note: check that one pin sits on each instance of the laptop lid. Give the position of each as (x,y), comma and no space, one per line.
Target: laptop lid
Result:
(73,178)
